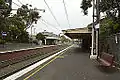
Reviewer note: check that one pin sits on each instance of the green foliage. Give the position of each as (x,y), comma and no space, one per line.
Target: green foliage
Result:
(116,27)
(24,37)
(2,41)
(108,27)
(40,36)
(6,9)
(85,5)
(16,24)
(111,24)
(64,39)
(110,7)
(28,15)
(3,16)
(35,42)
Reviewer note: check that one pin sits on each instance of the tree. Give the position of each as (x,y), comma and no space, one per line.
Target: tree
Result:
(28,15)
(64,39)
(16,29)
(5,8)
(4,13)
(40,36)
(24,37)
(110,7)
(112,10)
(108,27)
(110,24)
(85,5)
(15,25)
(21,21)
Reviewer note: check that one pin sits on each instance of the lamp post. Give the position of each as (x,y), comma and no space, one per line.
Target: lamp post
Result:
(34,31)
(92,56)
(45,38)
(4,34)
(95,29)
(31,35)
(33,25)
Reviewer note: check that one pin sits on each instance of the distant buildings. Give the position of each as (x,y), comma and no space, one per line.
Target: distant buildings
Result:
(50,38)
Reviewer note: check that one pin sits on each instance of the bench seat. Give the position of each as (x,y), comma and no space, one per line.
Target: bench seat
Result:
(106,59)
(104,62)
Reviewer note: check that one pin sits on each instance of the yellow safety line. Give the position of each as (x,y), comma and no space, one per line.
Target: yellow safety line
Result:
(43,66)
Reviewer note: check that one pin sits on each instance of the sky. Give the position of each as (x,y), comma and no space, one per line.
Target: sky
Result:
(75,15)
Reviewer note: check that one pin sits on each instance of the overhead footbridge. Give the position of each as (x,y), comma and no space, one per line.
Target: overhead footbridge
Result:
(83,34)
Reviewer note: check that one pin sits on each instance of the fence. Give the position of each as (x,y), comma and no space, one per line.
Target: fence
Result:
(111,45)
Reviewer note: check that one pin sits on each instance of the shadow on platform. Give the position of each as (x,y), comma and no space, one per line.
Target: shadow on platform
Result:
(81,50)
(108,70)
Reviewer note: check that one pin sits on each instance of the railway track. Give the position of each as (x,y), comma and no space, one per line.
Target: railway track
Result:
(15,57)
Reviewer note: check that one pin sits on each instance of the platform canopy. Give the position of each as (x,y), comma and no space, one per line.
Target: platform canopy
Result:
(77,33)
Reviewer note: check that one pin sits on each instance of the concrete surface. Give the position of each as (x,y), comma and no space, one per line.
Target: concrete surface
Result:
(4,72)
(72,65)
(16,46)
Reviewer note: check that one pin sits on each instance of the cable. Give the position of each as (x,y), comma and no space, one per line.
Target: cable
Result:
(41,28)
(51,12)
(50,24)
(16,4)
(20,2)
(46,25)
(66,13)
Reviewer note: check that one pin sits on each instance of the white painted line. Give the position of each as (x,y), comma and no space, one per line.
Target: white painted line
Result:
(26,70)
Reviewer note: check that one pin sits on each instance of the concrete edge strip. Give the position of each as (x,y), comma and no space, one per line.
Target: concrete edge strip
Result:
(10,73)
(26,70)
(25,49)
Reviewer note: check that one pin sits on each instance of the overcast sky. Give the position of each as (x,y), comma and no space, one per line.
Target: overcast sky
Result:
(75,15)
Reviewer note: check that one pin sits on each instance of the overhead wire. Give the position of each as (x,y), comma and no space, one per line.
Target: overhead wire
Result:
(52,13)
(50,24)
(20,2)
(66,13)
(46,25)
(41,28)
(20,6)
(45,20)
(16,4)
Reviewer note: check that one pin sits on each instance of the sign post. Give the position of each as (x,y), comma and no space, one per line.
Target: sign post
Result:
(4,34)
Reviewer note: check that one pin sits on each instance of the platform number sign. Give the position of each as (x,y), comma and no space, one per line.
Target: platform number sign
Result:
(4,34)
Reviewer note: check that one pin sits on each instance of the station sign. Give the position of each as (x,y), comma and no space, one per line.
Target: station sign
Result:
(4,34)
